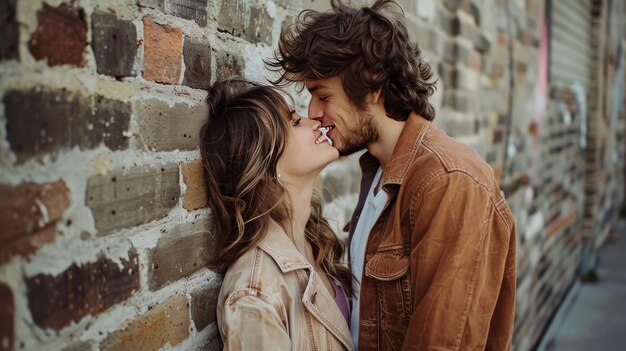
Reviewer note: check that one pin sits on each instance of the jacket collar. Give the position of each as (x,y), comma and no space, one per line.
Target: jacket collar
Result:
(403,153)
(282,250)
(316,298)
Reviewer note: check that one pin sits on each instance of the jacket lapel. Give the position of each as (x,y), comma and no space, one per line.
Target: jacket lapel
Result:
(316,298)
(320,303)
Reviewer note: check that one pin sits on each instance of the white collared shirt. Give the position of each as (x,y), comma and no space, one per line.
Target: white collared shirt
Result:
(373,207)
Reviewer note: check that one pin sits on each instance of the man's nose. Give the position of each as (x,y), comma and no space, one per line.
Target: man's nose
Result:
(315,111)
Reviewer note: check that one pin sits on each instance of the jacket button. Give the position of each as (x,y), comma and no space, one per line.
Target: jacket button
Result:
(313,297)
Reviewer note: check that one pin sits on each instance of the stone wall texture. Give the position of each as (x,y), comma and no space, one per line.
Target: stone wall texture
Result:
(105,232)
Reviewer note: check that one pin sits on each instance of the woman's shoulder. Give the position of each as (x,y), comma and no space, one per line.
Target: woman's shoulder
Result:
(264,268)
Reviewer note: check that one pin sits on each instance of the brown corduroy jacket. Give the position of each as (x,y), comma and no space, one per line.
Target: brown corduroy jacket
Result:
(439,269)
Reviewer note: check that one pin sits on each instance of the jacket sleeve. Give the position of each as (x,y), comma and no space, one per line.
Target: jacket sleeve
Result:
(459,252)
(251,323)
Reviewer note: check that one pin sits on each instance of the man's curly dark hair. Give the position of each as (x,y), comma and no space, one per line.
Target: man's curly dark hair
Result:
(369,48)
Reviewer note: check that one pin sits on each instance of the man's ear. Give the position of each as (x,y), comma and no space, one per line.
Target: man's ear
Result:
(375,96)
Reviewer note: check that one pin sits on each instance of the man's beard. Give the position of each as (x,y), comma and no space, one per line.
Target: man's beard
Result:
(363,132)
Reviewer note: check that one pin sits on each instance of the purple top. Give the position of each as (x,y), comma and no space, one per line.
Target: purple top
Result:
(341,299)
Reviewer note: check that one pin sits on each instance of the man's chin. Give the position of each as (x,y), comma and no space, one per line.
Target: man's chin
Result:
(350,149)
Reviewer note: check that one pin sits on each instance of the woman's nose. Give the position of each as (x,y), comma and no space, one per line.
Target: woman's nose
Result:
(316,124)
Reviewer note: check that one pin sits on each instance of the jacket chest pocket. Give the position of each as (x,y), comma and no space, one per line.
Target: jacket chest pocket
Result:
(390,270)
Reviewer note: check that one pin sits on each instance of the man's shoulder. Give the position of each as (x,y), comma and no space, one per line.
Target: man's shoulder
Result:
(441,154)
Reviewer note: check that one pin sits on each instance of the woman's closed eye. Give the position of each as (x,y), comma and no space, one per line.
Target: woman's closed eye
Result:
(296,122)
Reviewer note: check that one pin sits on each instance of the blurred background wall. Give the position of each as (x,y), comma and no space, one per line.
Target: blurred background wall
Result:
(105,233)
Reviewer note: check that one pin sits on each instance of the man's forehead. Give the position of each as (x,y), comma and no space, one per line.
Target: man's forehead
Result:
(313,85)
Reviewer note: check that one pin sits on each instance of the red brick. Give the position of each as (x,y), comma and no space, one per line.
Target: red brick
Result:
(60,37)
(41,121)
(163,48)
(7,318)
(26,245)
(30,206)
(80,290)
(168,322)
(28,214)
(196,195)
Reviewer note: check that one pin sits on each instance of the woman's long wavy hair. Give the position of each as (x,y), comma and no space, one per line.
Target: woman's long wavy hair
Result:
(241,143)
(369,48)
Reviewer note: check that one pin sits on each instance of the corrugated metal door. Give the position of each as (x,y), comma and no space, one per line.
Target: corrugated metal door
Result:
(570,51)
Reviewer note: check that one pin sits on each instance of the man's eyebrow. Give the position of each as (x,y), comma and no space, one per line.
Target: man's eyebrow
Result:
(313,88)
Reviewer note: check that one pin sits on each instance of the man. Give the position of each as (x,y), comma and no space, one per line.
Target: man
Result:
(432,240)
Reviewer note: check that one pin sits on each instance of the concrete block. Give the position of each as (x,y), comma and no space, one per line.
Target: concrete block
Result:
(167,322)
(213,342)
(445,20)
(114,44)
(197,57)
(233,17)
(126,199)
(229,65)
(90,288)
(7,318)
(181,252)
(155,4)
(447,74)
(9,31)
(453,5)
(481,42)
(259,29)
(461,101)
(203,306)
(457,125)
(163,47)
(193,176)
(165,128)
(41,121)
(79,346)
(60,37)
(195,10)
(475,12)
(316,5)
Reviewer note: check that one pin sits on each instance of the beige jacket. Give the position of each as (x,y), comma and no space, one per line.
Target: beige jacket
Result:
(272,299)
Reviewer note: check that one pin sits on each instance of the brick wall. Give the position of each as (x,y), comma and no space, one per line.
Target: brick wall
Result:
(105,230)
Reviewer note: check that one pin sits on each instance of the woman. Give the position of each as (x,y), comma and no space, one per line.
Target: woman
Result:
(284,287)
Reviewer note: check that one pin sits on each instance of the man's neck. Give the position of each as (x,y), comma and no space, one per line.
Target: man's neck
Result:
(389,131)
